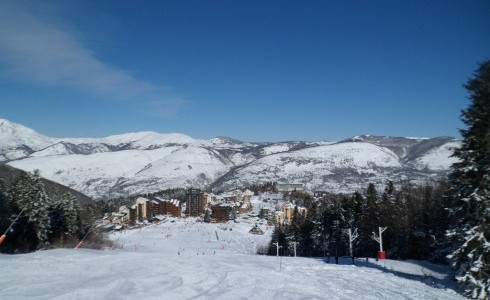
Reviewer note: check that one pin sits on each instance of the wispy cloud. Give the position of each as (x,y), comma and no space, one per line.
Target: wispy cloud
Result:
(45,52)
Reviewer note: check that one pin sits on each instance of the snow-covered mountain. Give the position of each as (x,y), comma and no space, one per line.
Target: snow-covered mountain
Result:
(149,161)
(18,141)
(351,164)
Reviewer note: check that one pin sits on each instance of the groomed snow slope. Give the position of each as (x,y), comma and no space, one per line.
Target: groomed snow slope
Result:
(185,260)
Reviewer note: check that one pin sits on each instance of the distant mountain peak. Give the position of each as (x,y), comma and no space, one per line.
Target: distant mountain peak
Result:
(18,141)
(8,127)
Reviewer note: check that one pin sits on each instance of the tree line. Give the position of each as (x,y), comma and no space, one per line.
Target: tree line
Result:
(44,221)
(415,216)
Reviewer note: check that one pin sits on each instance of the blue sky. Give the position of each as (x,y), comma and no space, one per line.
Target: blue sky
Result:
(252,70)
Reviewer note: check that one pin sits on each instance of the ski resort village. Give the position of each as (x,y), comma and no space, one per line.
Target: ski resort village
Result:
(206,207)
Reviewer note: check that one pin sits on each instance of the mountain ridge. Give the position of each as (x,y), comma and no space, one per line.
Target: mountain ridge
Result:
(149,161)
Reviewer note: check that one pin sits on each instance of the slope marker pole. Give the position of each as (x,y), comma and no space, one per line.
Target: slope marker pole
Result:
(352,237)
(79,245)
(379,239)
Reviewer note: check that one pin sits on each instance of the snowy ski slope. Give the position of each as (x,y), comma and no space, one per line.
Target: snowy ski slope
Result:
(185,259)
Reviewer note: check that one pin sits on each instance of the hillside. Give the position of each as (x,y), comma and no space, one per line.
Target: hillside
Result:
(148,161)
(332,167)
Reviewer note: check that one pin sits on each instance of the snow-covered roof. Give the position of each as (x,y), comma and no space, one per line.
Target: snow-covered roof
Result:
(256,230)
(141,200)
(124,209)
(173,201)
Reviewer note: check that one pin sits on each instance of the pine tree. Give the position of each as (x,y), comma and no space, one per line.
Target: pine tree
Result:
(307,232)
(369,221)
(293,230)
(306,248)
(70,210)
(337,238)
(40,205)
(318,233)
(63,213)
(469,191)
(438,223)
(324,227)
(387,217)
(358,202)
(387,204)
(349,211)
(28,192)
